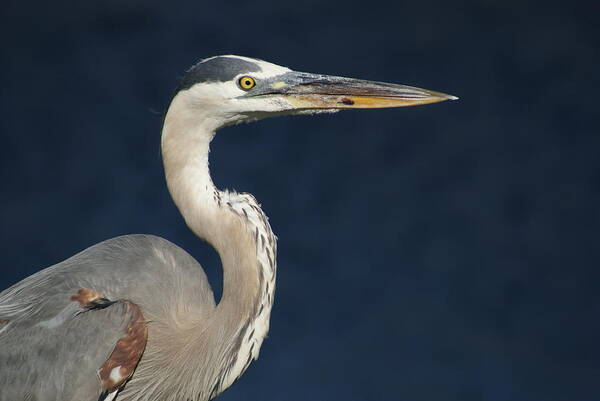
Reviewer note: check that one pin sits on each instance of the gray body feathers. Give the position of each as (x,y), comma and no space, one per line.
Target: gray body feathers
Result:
(50,352)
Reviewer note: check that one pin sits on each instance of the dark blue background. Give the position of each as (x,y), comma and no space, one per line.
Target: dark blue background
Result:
(445,252)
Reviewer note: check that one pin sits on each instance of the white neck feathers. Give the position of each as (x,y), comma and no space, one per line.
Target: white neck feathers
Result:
(238,229)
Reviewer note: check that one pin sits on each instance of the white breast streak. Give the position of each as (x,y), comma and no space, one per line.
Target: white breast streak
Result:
(266,248)
(111,396)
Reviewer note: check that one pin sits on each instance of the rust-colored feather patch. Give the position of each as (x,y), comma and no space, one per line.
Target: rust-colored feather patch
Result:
(127,353)
(87,298)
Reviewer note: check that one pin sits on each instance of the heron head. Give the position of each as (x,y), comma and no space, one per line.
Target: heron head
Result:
(230,89)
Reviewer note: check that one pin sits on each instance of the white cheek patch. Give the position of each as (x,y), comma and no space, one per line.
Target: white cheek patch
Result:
(216,91)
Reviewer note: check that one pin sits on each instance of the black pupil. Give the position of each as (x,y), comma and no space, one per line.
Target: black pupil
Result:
(248,82)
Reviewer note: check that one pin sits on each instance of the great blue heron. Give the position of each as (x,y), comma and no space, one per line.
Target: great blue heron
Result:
(134,316)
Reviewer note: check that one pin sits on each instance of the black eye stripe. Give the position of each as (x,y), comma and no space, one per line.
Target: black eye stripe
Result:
(217,69)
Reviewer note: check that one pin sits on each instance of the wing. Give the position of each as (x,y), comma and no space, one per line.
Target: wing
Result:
(75,331)
(85,352)
(68,330)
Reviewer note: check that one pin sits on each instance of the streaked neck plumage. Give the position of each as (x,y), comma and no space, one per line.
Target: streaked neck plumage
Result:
(237,228)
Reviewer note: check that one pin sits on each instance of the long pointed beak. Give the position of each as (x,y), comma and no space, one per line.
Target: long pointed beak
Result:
(312,91)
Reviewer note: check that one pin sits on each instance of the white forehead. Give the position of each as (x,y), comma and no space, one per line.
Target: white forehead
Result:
(268,70)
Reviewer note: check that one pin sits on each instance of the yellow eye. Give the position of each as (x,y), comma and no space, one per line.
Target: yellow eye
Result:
(246,83)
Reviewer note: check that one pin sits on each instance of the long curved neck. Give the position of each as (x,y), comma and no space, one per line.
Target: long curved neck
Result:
(236,227)
(185,147)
